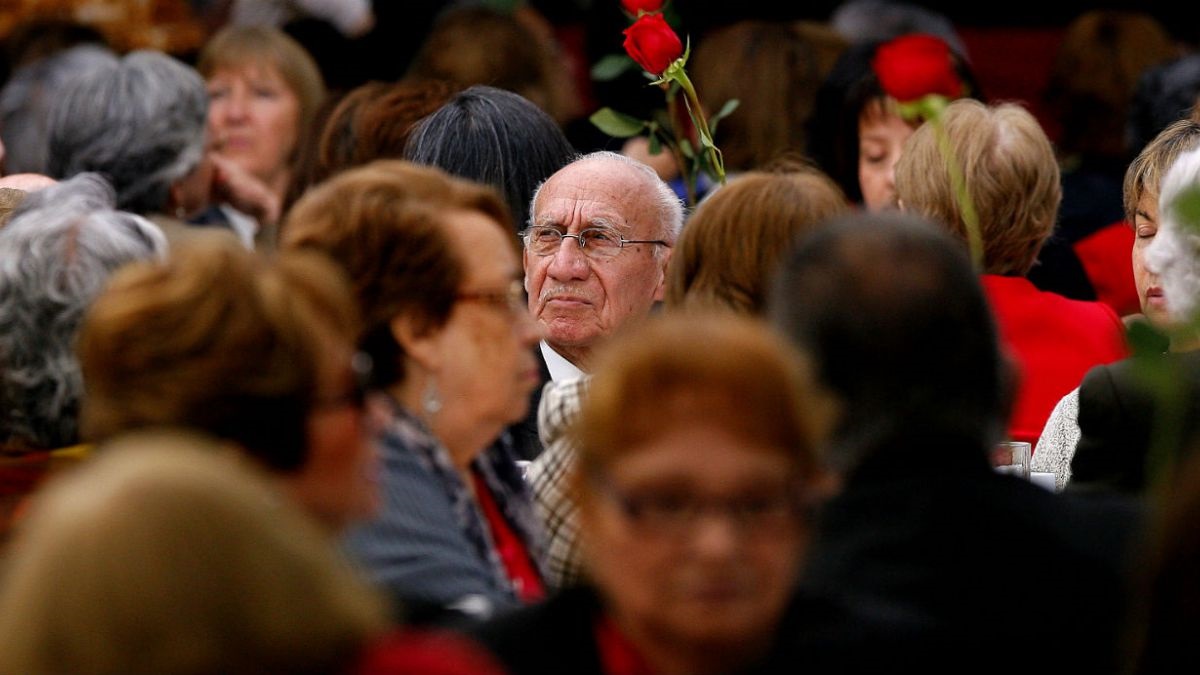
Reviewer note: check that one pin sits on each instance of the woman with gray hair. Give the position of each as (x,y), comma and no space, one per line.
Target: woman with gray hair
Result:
(140,122)
(56,254)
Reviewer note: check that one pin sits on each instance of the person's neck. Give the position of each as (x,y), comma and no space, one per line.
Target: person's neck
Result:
(451,424)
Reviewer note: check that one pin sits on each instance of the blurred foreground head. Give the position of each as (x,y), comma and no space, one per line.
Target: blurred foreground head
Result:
(895,322)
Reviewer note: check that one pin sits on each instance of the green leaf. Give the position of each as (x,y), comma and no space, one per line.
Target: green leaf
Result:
(612,66)
(685,146)
(655,144)
(615,124)
(727,109)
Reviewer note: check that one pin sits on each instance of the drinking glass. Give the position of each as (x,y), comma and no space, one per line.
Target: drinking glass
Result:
(1012,457)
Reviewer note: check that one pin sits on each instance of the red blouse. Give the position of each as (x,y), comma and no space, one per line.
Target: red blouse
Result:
(521,571)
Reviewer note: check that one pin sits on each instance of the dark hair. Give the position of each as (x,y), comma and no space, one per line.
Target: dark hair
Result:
(1164,94)
(843,96)
(893,316)
(493,137)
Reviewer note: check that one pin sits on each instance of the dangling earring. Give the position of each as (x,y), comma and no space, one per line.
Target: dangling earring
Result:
(431,398)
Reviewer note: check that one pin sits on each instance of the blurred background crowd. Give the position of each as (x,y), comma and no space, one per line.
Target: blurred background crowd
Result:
(336,337)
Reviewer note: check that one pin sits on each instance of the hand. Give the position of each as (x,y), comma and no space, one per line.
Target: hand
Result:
(243,191)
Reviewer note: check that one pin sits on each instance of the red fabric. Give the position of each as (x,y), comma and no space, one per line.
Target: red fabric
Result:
(1053,342)
(618,656)
(1104,255)
(521,570)
(413,652)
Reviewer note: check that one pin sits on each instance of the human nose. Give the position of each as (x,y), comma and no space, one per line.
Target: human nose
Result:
(568,261)
(715,532)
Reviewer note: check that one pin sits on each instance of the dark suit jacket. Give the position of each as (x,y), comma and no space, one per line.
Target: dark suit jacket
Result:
(526,442)
(1004,570)
(1123,414)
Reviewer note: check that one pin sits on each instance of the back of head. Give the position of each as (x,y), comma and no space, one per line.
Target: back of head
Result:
(1010,173)
(774,70)
(140,122)
(475,44)
(30,94)
(862,21)
(1102,55)
(383,224)
(217,340)
(495,137)
(895,322)
(166,555)
(739,233)
(673,371)
(374,121)
(1164,94)
(56,255)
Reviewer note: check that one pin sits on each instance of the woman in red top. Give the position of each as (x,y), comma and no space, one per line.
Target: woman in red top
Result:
(1011,176)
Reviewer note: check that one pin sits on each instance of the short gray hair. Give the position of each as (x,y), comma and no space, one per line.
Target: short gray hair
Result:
(56,254)
(667,204)
(139,121)
(30,94)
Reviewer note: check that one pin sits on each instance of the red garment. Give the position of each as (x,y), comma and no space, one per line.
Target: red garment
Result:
(523,574)
(413,652)
(618,656)
(1104,255)
(1053,342)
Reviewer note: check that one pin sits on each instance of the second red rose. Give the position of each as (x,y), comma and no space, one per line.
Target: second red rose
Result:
(652,43)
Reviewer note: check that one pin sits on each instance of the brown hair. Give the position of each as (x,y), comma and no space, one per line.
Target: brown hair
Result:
(737,236)
(165,554)
(725,370)
(238,46)
(374,121)
(480,45)
(1010,173)
(774,69)
(217,340)
(1090,90)
(1147,170)
(384,224)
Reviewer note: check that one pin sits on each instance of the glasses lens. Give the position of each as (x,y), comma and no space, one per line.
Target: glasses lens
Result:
(542,240)
(600,241)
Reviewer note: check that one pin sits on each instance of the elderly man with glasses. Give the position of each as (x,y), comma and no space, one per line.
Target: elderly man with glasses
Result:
(595,254)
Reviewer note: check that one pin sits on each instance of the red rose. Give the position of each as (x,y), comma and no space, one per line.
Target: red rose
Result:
(913,66)
(647,6)
(652,43)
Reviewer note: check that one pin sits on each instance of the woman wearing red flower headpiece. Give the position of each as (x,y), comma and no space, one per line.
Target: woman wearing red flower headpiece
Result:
(857,129)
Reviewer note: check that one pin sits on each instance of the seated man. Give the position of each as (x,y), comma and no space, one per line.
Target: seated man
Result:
(595,259)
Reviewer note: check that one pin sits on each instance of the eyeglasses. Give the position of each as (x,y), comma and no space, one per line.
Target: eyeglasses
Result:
(595,242)
(361,370)
(675,514)
(511,298)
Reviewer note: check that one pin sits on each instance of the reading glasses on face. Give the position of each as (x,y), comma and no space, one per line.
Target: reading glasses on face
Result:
(594,242)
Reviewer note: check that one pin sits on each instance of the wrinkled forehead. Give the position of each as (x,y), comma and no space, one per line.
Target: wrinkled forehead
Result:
(597,193)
